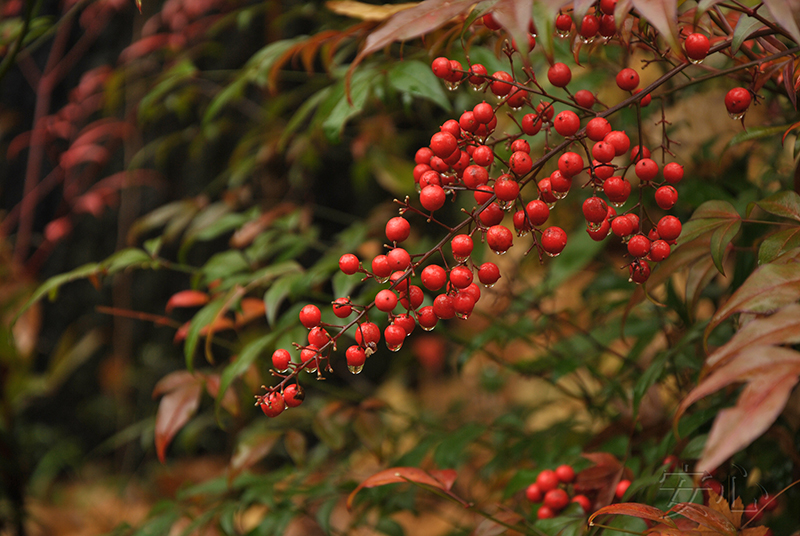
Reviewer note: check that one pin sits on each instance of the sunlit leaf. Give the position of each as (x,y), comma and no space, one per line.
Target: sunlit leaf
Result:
(642,511)
(442,479)
(362,11)
(705,516)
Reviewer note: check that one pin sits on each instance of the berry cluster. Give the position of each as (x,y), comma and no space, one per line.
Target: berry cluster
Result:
(552,488)
(498,175)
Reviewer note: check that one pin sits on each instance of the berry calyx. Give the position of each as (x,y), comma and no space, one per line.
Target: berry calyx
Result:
(293,395)
(273,404)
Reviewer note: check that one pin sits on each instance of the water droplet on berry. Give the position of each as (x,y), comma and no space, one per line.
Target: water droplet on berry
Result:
(559,195)
(394,348)
(587,40)
(563,34)
(355,369)
(462,316)
(499,253)
(311,369)
(459,260)
(425,328)
(619,205)
(553,254)
(522,233)
(695,62)
(736,117)
(550,205)
(382,280)
(452,86)
(516,108)
(594,226)
(489,286)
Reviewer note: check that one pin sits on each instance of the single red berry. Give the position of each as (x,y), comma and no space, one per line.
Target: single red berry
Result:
(666,197)
(537,212)
(696,46)
(622,487)
(563,23)
(293,395)
(356,357)
(559,183)
(533,493)
(367,333)
(589,27)
(584,502)
(619,140)
(603,152)
(310,316)
(488,273)
(427,318)
(517,98)
(483,155)
(603,170)
(477,75)
(607,6)
(635,153)
(499,238)
(412,298)
(348,263)
(547,480)
(570,164)
(423,155)
(385,300)
(559,75)
(460,277)
(598,128)
(281,359)
(406,322)
(463,304)
(492,215)
(520,145)
(644,101)
(501,86)
(342,307)
(475,176)
(545,512)
(467,122)
(273,404)
(443,144)
(483,112)
(521,222)
(506,188)
(318,336)
(673,173)
(752,513)
(565,473)
(567,123)
(584,98)
(546,191)
(397,229)
(599,232)
(531,124)
(737,101)
(490,22)
(768,502)
(553,241)
(430,178)
(595,210)
(483,194)
(456,75)
(669,228)
(608,26)
(461,245)
(653,235)
(622,226)
(441,67)
(545,110)
(394,335)
(443,307)
(399,259)
(310,356)
(432,197)
(381,267)
(634,220)
(520,163)
(646,169)
(639,246)
(420,170)
(639,273)
(557,499)
(433,277)
(627,79)
(659,251)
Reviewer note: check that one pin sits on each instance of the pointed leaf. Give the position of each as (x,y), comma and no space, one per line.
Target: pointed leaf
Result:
(783,12)
(253,445)
(698,277)
(417,79)
(199,322)
(241,363)
(705,5)
(721,239)
(706,219)
(705,516)
(174,411)
(515,17)
(663,16)
(785,204)
(278,292)
(768,288)
(187,298)
(442,479)
(745,26)
(642,511)
(775,245)
(362,11)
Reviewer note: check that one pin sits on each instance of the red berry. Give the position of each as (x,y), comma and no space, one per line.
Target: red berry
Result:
(488,273)
(399,259)
(477,74)
(602,170)
(441,67)
(531,124)
(567,123)
(768,502)
(600,232)
(386,300)
(520,145)
(490,22)
(427,318)
(547,480)
(461,277)
(281,359)
(546,191)
(461,245)
(499,238)
(545,512)
(406,322)
(622,487)
(455,75)
(696,46)
(608,26)
(669,228)
(635,153)
(293,395)
(622,226)
(521,222)
(381,267)
(483,112)
(644,101)
(589,26)
(553,241)
(517,98)
(659,251)
(367,333)
(483,194)
(443,307)
(273,404)
(318,337)
(640,272)
(556,499)
(546,110)
(565,473)
(502,85)
(310,316)
(467,122)
(483,155)
(443,144)
(423,155)
(752,513)
(397,229)
(432,197)
(595,210)
(433,277)
(492,215)
(646,169)
(603,152)
(570,164)
(463,303)
(355,356)
(666,197)
(619,140)
(559,183)
(584,98)
(639,246)
(627,79)
(506,188)
(673,173)
(348,263)
(617,189)
(342,307)
(564,23)
(533,493)
(394,335)
(598,128)
(475,176)
(520,163)
(537,212)
(607,6)
(411,298)
(738,100)
(584,501)
(559,75)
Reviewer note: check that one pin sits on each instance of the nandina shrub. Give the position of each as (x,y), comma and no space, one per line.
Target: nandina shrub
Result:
(585,350)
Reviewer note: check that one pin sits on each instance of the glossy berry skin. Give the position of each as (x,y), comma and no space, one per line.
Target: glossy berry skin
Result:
(556,499)
(644,101)
(412,298)
(483,112)
(619,140)
(554,240)
(367,333)
(545,512)
(406,322)
(318,337)
(666,197)
(622,487)
(477,74)
(599,233)
(492,215)
(622,226)
(461,277)
(639,246)
(584,502)
(559,183)
(559,75)
(673,173)
(441,67)
(397,229)
(394,335)
(607,6)
(533,493)
(635,153)
(432,197)
(565,473)
(310,316)
(499,238)
(696,46)
(490,22)
(646,169)
(293,395)
(567,123)
(506,188)
(627,79)
(399,259)
(355,355)
(348,263)
(385,300)
(521,145)
(488,273)
(589,26)
(603,152)
(617,189)
(669,228)
(281,359)
(273,404)
(738,100)
(483,155)
(537,212)
(502,85)
(570,164)
(531,124)
(659,251)
(433,277)
(564,23)
(547,480)
(342,307)
(443,144)
(461,246)
(427,317)
(443,307)
(640,272)
(521,163)
(595,210)
(584,98)
(598,128)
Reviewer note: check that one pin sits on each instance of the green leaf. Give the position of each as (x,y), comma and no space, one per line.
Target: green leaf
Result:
(224,264)
(238,367)
(720,239)
(127,258)
(301,115)
(260,64)
(200,320)
(179,73)
(706,219)
(755,133)
(785,204)
(342,111)
(744,27)
(233,91)
(417,79)
(277,293)
(775,245)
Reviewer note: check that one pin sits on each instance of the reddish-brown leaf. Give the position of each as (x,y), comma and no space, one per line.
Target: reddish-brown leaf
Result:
(602,477)
(187,298)
(768,288)
(487,527)
(253,445)
(176,407)
(514,16)
(442,479)
(103,128)
(252,309)
(783,12)
(663,16)
(360,10)
(82,154)
(720,504)
(642,511)
(229,399)
(705,516)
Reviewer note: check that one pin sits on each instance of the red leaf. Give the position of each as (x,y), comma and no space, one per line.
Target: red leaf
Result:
(106,127)
(783,12)
(229,399)
(487,527)
(84,153)
(663,16)
(252,309)
(177,406)
(442,479)
(705,516)
(187,298)
(642,511)
(149,44)
(602,477)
